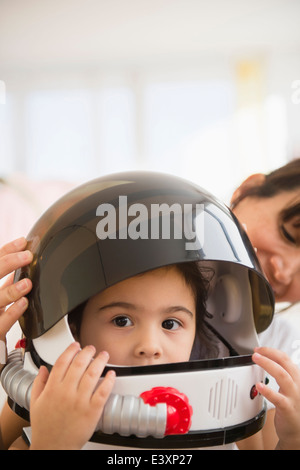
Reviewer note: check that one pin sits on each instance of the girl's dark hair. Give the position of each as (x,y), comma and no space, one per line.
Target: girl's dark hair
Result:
(196,278)
(285,178)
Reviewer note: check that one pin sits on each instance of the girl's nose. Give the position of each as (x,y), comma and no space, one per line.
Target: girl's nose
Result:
(283,269)
(148,347)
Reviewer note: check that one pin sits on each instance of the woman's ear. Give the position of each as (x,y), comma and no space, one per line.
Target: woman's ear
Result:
(252,181)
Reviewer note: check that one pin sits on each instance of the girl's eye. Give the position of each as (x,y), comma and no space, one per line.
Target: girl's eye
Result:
(287,235)
(171,324)
(122,321)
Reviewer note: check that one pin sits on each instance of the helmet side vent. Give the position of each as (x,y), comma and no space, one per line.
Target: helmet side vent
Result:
(223,398)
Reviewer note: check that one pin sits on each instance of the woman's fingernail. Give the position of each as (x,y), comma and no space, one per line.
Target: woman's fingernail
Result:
(22,286)
(19,242)
(25,255)
(22,303)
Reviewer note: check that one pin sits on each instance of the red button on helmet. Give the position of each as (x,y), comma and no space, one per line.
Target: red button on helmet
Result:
(179,411)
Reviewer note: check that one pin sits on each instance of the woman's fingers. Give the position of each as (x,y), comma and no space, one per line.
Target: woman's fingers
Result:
(13,302)
(16,245)
(13,261)
(12,292)
(11,315)
(11,258)
(13,255)
(12,295)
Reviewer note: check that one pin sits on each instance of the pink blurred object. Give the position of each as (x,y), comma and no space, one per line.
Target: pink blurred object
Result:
(22,201)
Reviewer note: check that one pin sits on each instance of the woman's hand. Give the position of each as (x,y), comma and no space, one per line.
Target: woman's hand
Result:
(13,302)
(287,400)
(67,404)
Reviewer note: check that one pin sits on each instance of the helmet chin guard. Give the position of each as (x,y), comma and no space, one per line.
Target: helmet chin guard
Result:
(203,402)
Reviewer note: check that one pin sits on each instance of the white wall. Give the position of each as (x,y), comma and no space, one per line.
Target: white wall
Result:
(99,86)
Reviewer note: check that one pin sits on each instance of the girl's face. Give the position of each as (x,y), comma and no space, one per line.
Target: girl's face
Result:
(277,243)
(145,320)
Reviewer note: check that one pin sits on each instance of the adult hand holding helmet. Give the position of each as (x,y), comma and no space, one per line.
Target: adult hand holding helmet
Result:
(12,301)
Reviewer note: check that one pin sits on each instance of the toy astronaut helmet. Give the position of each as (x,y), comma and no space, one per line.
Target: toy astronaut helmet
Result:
(122,225)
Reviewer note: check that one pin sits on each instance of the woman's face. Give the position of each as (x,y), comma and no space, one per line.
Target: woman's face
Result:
(147,319)
(277,242)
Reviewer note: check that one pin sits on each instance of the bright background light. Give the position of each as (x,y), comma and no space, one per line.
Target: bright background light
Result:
(199,89)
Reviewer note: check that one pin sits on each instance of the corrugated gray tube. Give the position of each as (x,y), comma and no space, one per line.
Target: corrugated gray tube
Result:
(128,415)
(124,415)
(16,381)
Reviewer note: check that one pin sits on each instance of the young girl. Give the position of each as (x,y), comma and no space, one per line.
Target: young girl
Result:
(145,320)
(154,317)
(143,313)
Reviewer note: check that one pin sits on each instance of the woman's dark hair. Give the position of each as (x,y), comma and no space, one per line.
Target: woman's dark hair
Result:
(198,279)
(285,178)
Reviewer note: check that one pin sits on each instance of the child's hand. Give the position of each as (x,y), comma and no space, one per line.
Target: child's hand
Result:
(67,404)
(287,400)
(12,257)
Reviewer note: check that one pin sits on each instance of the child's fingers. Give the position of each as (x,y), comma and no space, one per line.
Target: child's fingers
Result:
(271,395)
(103,390)
(61,366)
(280,370)
(275,370)
(281,358)
(39,383)
(93,373)
(79,366)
